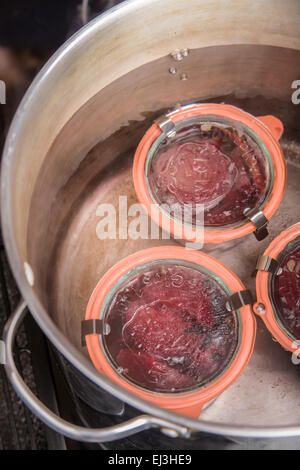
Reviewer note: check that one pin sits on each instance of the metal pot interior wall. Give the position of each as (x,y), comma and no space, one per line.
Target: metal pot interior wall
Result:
(85,156)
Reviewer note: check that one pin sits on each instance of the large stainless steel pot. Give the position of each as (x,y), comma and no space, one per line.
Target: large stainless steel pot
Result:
(89,107)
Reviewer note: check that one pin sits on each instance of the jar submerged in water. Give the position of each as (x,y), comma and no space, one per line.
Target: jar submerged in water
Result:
(211,168)
(286,289)
(278,288)
(168,330)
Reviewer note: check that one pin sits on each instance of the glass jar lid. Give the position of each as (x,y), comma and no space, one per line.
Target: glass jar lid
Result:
(211,172)
(170,330)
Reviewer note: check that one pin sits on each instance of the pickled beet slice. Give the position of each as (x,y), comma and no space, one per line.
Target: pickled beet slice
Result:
(170,329)
(286,292)
(218,168)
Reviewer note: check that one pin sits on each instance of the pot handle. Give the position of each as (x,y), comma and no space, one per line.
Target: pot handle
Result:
(72,431)
(274,124)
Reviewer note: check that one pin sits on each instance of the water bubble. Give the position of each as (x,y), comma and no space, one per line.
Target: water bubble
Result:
(177,55)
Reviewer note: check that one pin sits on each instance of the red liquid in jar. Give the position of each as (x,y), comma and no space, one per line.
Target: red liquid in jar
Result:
(286,288)
(217,168)
(170,330)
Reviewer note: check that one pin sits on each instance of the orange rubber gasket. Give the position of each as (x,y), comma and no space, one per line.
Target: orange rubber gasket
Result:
(262,290)
(268,128)
(189,403)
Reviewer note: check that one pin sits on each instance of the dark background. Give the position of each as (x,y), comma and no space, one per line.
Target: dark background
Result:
(30,31)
